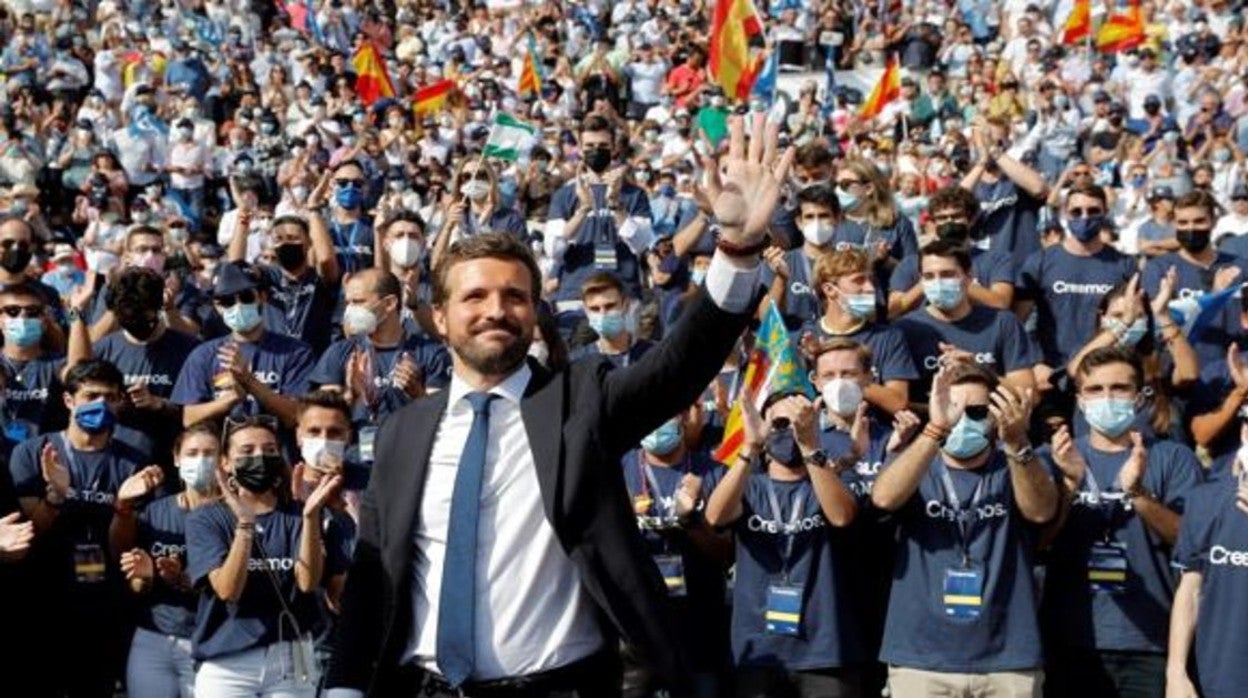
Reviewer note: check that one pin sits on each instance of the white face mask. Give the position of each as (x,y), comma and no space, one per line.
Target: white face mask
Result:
(357,319)
(475,189)
(842,396)
(818,232)
(322,454)
(406,252)
(198,472)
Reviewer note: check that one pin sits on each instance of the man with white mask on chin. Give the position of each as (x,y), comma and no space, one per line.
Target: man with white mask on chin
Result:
(789,275)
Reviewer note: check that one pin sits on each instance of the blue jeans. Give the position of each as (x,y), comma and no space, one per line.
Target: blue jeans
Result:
(160,665)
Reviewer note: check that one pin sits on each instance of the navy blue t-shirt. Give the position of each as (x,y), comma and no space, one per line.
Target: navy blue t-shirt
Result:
(598,230)
(1009,217)
(901,239)
(28,387)
(1207,395)
(282,363)
(988,267)
(302,308)
(829,635)
(1193,282)
(801,300)
(156,364)
(222,628)
(1213,540)
(890,355)
(1067,289)
(1235,245)
(1136,619)
(635,351)
(162,533)
(994,336)
(353,244)
(1006,635)
(502,220)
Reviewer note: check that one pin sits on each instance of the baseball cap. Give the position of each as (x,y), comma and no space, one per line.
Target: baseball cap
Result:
(1161,191)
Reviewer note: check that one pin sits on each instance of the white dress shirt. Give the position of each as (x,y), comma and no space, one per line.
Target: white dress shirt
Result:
(532,612)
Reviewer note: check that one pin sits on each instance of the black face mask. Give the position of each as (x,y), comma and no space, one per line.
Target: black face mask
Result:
(598,159)
(956,232)
(1193,241)
(140,326)
(258,473)
(291,256)
(15,259)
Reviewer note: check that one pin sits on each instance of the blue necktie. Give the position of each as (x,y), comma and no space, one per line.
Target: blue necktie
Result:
(457,613)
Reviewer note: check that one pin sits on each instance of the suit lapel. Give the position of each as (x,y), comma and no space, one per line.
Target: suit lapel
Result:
(542,411)
(413,446)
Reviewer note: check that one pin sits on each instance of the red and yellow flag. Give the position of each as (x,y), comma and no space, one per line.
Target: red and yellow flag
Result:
(530,72)
(1079,23)
(372,82)
(886,90)
(432,98)
(733,63)
(1123,30)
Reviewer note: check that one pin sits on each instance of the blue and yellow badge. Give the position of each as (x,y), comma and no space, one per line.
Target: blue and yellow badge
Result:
(964,593)
(784,609)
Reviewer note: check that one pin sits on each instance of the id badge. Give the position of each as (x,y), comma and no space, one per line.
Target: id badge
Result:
(1107,567)
(604,258)
(641,504)
(88,563)
(672,567)
(784,610)
(16,431)
(368,440)
(964,593)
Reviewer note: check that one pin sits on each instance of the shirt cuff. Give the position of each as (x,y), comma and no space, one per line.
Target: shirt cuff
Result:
(344,693)
(732,284)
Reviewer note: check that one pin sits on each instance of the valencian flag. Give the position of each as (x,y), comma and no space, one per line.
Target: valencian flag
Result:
(886,90)
(371,80)
(773,367)
(432,98)
(1123,31)
(1079,23)
(734,63)
(530,71)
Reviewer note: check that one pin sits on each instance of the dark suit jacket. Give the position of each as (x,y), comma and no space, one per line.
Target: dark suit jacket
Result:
(579,421)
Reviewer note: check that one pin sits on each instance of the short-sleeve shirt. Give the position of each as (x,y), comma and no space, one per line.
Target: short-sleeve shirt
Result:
(353,244)
(598,233)
(995,337)
(918,632)
(988,267)
(801,301)
(1136,619)
(624,359)
(829,634)
(282,363)
(227,628)
(1009,217)
(1194,281)
(162,533)
(28,387)
(1213,540)
(155,364)
(890,355)
(302,308)
(430,356)
(1067,290)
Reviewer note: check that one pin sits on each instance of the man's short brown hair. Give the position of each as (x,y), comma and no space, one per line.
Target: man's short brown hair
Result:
(601,281)
(833,265)
(502,246)
(814,347)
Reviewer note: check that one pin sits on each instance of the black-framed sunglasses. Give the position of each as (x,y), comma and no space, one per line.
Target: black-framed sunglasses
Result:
(29,311)
(1086,212)
(349,183)
(977,413)
(233,425)
(243,297)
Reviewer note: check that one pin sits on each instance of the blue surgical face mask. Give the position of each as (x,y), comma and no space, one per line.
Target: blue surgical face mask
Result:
(1112,416)
(663,440)
(945,294)
(697,276)
(242,317)
(23,331)
(1132,335)
(608,325)
(847,201)
(198,472)
(860,305)
(349,197)
(968,438)
(782,447)
(668,190)
(1084,229)
(94,417)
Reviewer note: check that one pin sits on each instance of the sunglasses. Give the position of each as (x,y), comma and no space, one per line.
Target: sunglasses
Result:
(1085,212)
(235,424)
(30,311)
(977,413)
(244,297)
(349,183)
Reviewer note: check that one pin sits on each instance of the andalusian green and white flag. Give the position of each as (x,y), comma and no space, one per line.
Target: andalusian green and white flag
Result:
(509,137)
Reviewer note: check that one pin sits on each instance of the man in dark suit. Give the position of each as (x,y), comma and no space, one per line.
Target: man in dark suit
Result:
(497,551)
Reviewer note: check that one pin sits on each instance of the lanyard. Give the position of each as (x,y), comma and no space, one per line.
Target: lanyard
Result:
(348,242)
(650,487)
(790,531)
(962,518)
(1108,514)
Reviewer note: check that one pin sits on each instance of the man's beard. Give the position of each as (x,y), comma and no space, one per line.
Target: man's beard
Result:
(492,361)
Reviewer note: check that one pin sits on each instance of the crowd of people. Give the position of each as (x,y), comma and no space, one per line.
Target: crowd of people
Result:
(1014,458)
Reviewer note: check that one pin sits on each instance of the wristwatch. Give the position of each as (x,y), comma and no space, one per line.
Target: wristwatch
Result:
(74,315)
(817,458)
(1022,455)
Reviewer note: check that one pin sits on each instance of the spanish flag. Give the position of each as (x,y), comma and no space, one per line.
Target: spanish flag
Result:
(773,367)
(886,90)
(733,63)
(1079,23)
(1122,31)
(371,80)
(432,98)
(531,71)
